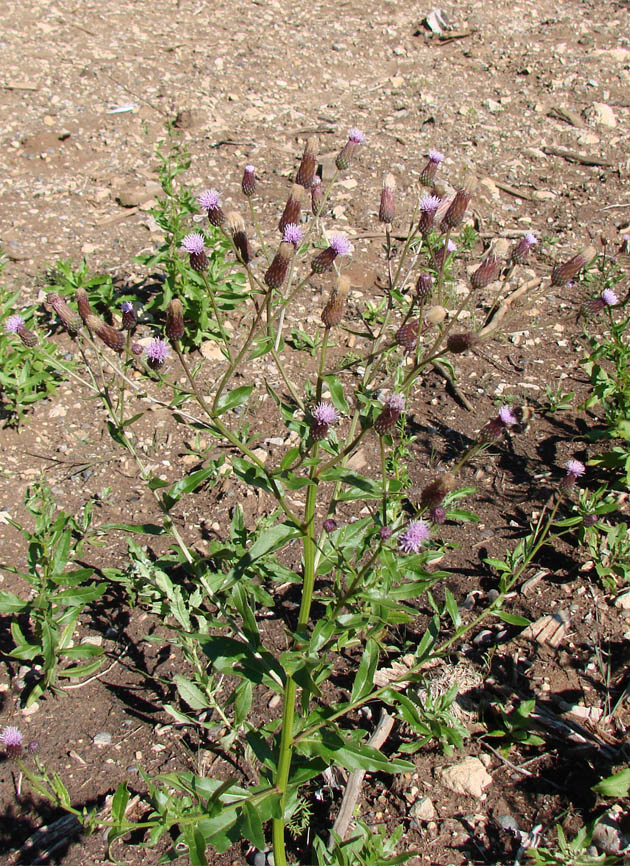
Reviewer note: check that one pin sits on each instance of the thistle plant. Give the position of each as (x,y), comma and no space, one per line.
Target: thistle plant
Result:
(353,543)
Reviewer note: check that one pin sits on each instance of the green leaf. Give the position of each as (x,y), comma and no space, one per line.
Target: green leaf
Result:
(119,803)
(498,564)
(82,651)
(10,603)
(234,398)
(190,693)
(350,755)
(189,483)
(512,618)
(81,670)
(251,826)
(251,474)
(336,393)
(617,785)
(364,679)
(194,839)
(451,607)
(138,528)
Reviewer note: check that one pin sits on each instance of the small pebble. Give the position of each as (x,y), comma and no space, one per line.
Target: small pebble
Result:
(102,739)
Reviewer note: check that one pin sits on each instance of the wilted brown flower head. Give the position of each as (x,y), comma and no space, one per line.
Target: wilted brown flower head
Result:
(175,320)
(277,270)
(235,224)
(486,272)
(435,491)
(68,317)
(332,313)
(563,273)
(387,209)
(306,171)
(291,212)
(435,315)
(110,336)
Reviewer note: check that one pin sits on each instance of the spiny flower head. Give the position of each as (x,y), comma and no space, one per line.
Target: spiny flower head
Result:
(157,351)
(356,136)
(293,234)
(530,239)
(13,324)
(435,156)
(248,183)
(413,537)
(126,307)
(610,298)
(429,203)
(521,250)
(209,199)
(575,468)
(396,402)
(12,740)
(506,416)
(325,413)
(340,244)
(329,524)
(193,243)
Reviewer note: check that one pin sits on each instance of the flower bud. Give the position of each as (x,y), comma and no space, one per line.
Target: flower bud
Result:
(346,154)
(129,318)
(291,212)
(456,210)
(427,176)
(210,201)
(248,184)
(329,524)
(332,313)
(306,171)
(277,270)
(437,515)
(407,335)
(424,286)
(175,320)
(385,532)
(386,421)
(317,197)
(67,316)
(563,273)
(110,336)
(485,273)
(387,209)
(458,343)
(83,304)
(444,252)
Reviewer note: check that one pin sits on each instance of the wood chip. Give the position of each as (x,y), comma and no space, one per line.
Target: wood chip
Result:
(549,629)
(567,115)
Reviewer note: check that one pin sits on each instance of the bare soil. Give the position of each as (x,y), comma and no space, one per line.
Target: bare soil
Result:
(248,82)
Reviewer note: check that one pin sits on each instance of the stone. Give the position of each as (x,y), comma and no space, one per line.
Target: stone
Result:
(469,777)
(623,601)
(104,738)
(423,810)
(603,115)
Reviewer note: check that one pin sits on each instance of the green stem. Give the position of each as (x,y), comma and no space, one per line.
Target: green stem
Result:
(384,476)
(217,315)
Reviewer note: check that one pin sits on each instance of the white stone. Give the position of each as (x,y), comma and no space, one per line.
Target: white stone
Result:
(603,115)
(423,810)
(469,777)
(623,601)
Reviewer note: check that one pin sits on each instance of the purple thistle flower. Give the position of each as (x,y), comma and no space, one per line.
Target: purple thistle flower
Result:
(325,413)
(193,243)
(435,156)
(395,402)
(610,298)
(575,468)
(293,234)
(126,307)
(11,739)
(412,538)
(506,416)
(13,324)
(209,199)
(429,203)
(248,183)
(157,352)
(340,244)
(356,136)
(530,238)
